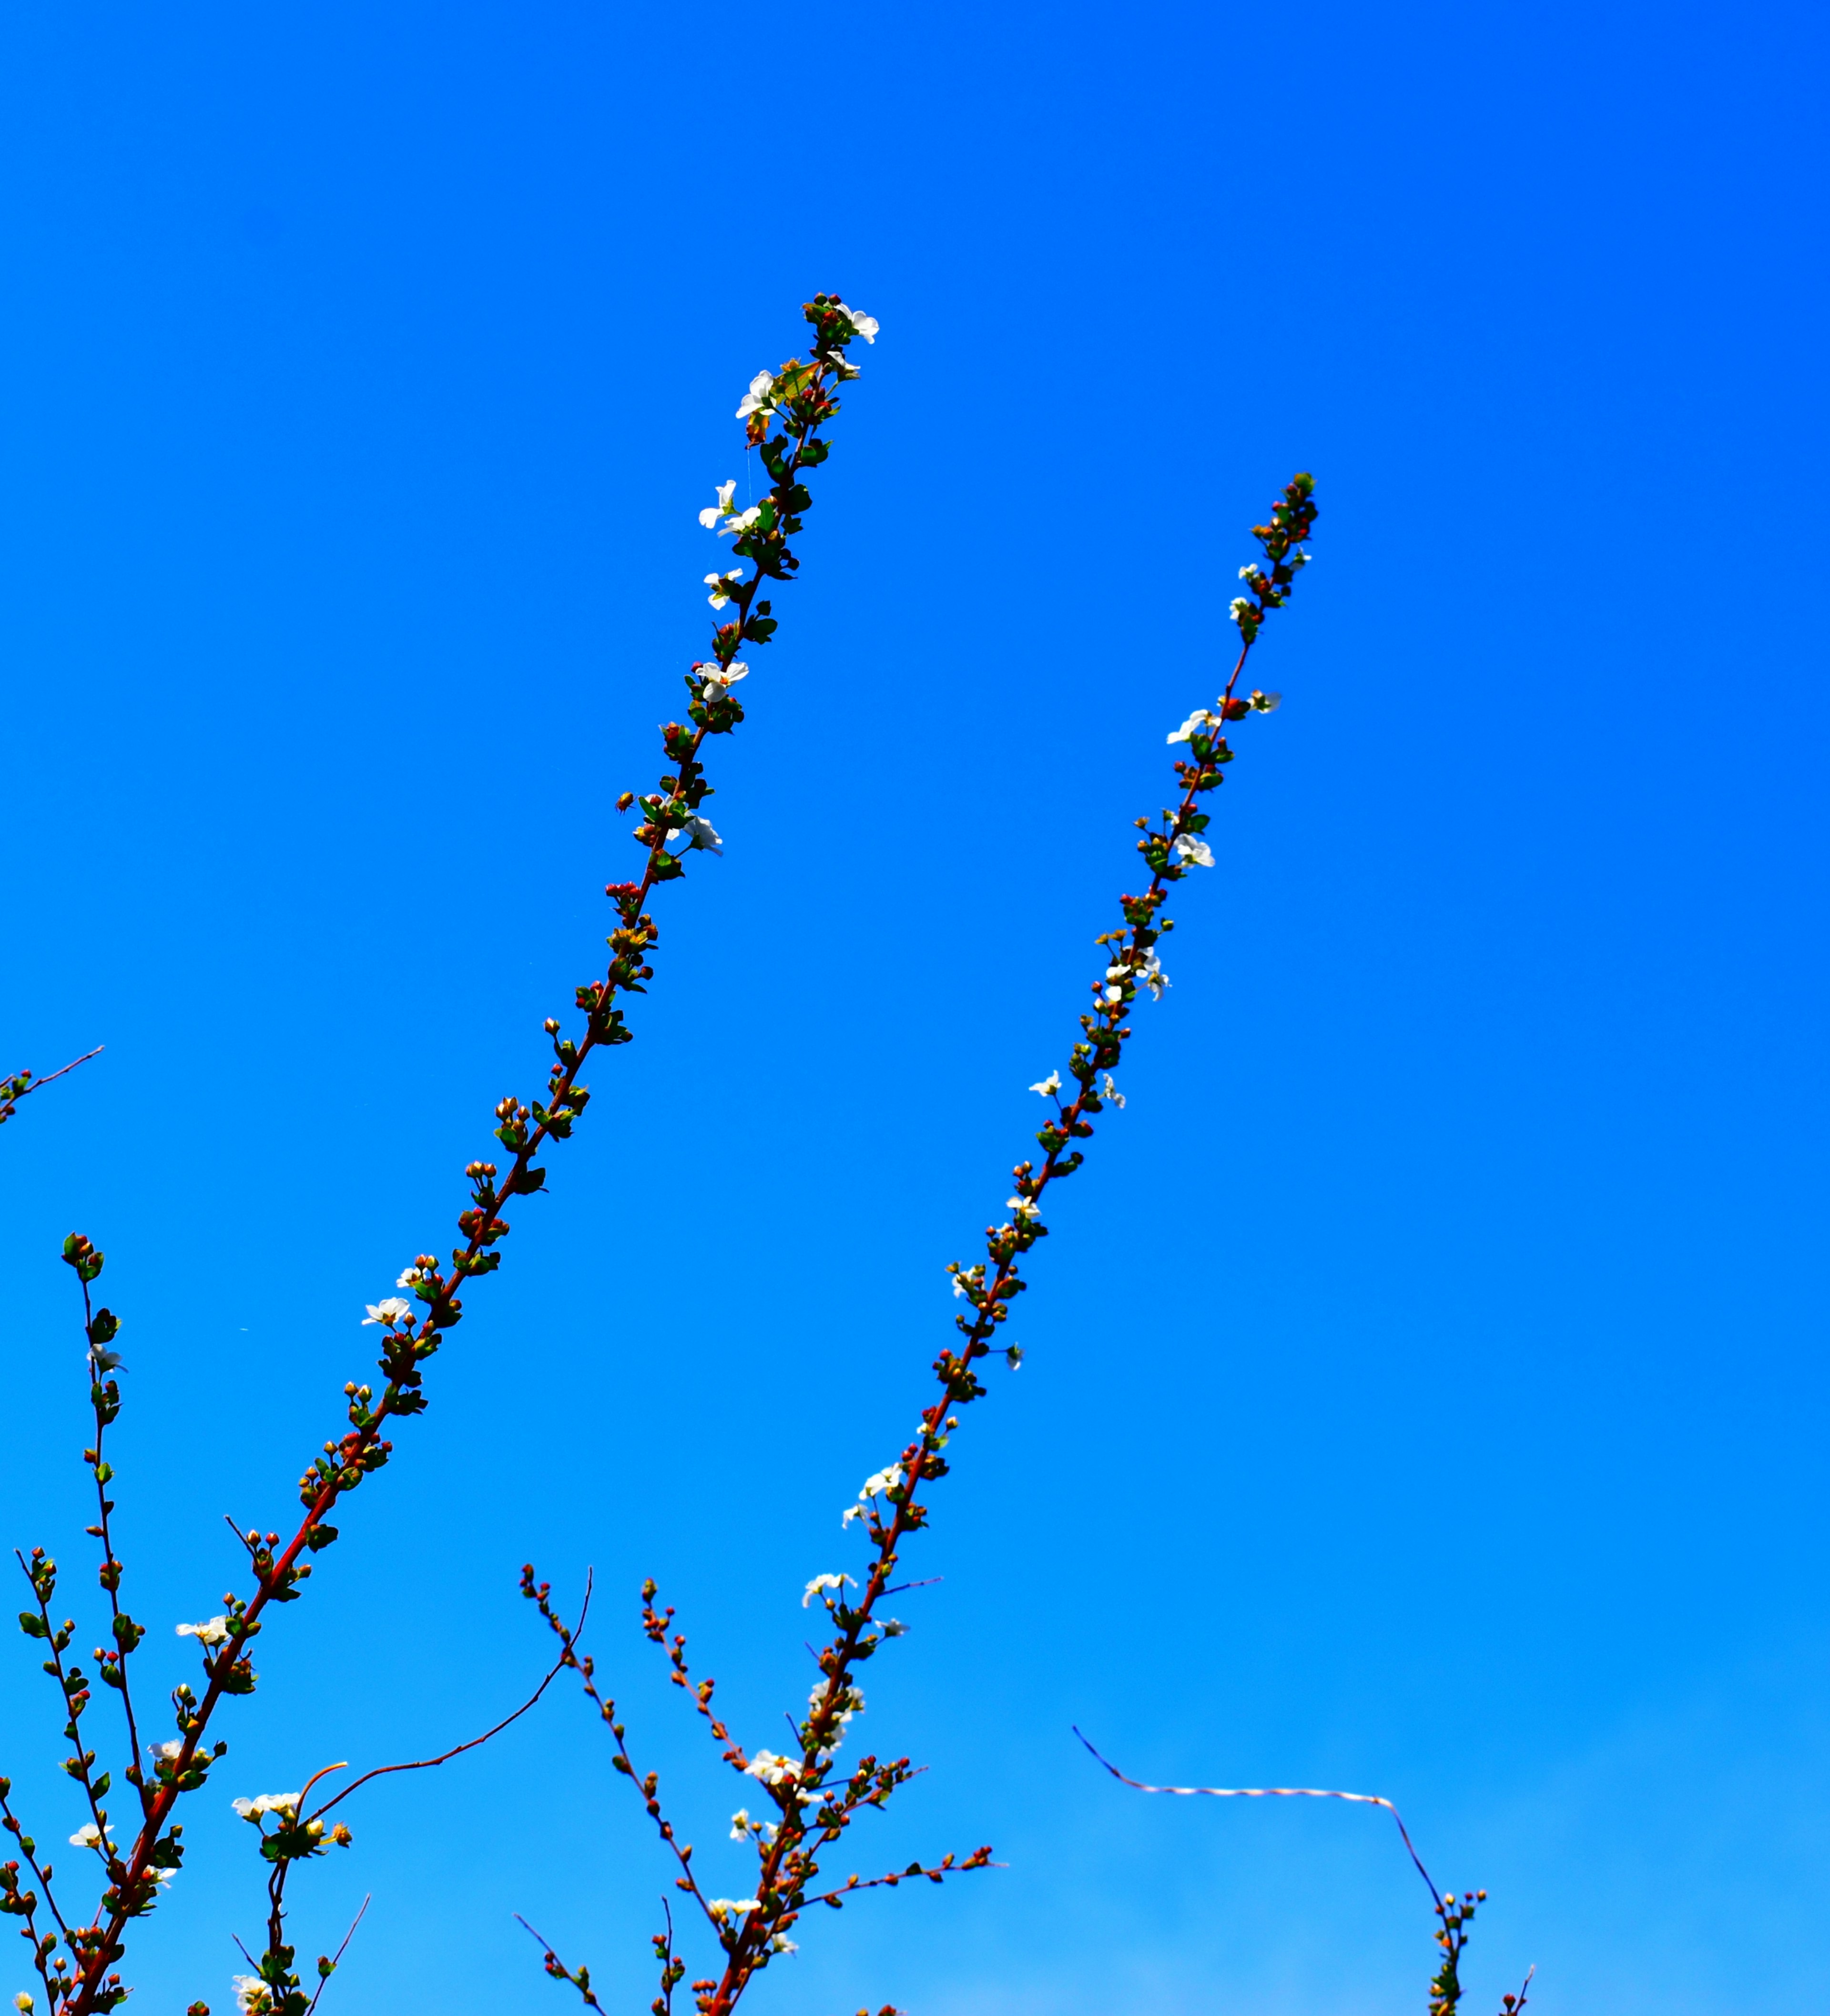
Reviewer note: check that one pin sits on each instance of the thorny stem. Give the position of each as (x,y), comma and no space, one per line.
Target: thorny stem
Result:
(364,1449)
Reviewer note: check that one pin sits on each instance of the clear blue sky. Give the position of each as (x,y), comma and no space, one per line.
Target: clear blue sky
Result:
(1426,1391)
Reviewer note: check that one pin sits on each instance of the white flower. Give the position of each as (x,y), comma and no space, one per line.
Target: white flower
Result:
(702,833)
(23,2002)
(250,1994)
(896,1629)
(89,1835)
(740,1822)
(811,1799)
(770,1769)
(757,399)
(1116,972)
(1199,718)
(1153,976)
(1112,1095)
(1192,847)
(161,1877)
(168,1752)
(720,595)
(820,1582)
(410,1277)
(782,1943)
(1249,571)
(1049,1085)
(1114,994)
(732,1907)
(1237,607)
(880,1480)
(389,1310)
(1025,1208)
(846,1517)
(712,513)
(740,522)
(104,1360)
(866,325)
(1266,703)
(267,1803)
(214,1631)
(719,679)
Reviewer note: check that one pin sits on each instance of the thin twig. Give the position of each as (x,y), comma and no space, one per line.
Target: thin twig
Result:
(431,1763)
(1274,1792)
(337,1958)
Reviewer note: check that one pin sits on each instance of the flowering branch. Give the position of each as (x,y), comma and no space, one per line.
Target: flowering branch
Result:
(813,1807)
(785,412)
(14,1088)
(1446,1986)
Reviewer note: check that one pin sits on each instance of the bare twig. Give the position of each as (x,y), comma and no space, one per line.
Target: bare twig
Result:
(432,1763)
(1274,1792)
(325,1973)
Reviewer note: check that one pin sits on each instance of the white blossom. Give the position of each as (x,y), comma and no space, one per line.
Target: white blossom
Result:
(267,1803)
(820,1582)
(1153,976)
(1199,718)
(712,513)
(1238,607)
(89,1835)
(1112,1095)
(740,522)
(880,1480)
(251,1993)
(1049,1085)
(1114,994)
(161,1877)
(757,399)
(1266,703)
(103,1359)
(702,833)
(850,1512)
(719,679)
(720,595)
(389,1310)
(169,1752)
(410,1277)
(730,1907)
(1192,848)
(1116,972)
(1249,571)
(896,1629)
(213,1631)
(767,1769)
(782,1943)
(866,325)
(23,2002)
(1025,1208)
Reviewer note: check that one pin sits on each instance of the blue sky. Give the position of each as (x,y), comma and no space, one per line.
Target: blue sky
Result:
(1425,1390)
